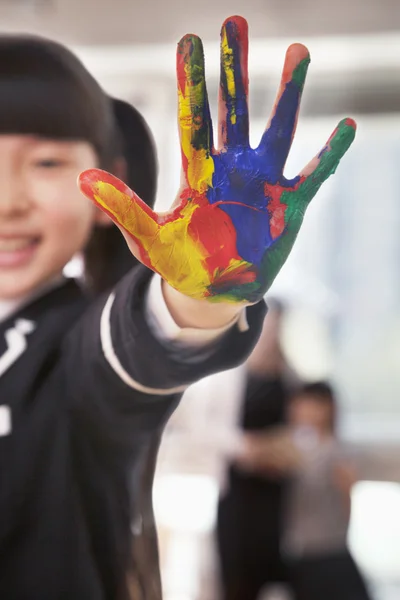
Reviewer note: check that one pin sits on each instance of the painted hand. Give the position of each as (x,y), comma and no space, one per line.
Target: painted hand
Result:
(236,216)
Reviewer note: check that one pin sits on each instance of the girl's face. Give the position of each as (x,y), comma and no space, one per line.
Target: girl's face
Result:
(44,220)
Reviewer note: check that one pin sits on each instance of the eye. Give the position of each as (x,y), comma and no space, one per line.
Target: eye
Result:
(49,163)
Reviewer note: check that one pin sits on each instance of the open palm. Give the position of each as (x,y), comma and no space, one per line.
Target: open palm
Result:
(236,216)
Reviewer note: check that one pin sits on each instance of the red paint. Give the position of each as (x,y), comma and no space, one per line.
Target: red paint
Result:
(276,209)
(295,54)
(212,229)
(187,195)
(334,132)
(351,123)
(142,254)
(185,165)
(184,47)
(235,278)
(89,180)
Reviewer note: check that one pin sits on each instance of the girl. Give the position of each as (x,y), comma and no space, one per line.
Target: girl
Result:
(86,389)
(72,430)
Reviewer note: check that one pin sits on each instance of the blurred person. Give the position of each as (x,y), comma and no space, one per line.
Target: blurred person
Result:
(317,506)
(89,386)
(249,527)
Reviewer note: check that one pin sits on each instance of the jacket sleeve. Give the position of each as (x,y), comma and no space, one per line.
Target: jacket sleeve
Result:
(125,375)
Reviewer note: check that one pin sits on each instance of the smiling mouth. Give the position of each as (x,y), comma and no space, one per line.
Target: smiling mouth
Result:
(17,251)
(17,244)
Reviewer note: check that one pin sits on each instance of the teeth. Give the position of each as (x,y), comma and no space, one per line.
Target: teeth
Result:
(14,244)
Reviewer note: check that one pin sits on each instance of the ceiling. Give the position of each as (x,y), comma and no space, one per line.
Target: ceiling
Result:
(99,22)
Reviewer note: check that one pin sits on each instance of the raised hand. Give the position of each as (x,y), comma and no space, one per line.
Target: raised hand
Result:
(236,216)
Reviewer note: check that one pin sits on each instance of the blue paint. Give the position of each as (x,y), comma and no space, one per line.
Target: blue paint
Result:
(237,133)
(277,139)
(324,149)
(239,177)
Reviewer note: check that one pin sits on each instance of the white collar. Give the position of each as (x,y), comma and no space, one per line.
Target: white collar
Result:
(9,307)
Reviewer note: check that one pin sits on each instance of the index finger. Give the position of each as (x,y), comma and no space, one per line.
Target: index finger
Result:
(194,120)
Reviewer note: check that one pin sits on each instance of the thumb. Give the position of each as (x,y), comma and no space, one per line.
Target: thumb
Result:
(137,222)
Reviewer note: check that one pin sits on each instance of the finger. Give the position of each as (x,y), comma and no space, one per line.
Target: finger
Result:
(299,193)
(276,255)
(325,163)
(135,219)
(195,126)
(278,136)
(234,84)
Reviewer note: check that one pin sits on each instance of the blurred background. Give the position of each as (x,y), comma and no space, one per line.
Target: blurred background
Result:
(340,286)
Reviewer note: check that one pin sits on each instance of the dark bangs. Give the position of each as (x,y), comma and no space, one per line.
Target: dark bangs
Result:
(46,91)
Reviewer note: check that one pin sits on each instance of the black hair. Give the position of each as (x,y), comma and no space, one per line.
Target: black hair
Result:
(107,246)
(322,393)
(138,149)
(46,91)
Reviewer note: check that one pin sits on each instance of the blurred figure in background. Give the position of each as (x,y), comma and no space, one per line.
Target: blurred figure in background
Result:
(249,527)
(318,503)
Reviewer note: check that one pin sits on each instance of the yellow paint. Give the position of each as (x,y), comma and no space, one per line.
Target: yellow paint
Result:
(228,63)
(200,167)
(126,211)
(172,252)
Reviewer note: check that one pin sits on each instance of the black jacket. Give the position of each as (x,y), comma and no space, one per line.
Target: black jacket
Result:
(69,379)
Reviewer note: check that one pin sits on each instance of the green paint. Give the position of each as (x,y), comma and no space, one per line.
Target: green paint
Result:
(202,127)
(329,161)
(249,292)
(300,72)
(298,200)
